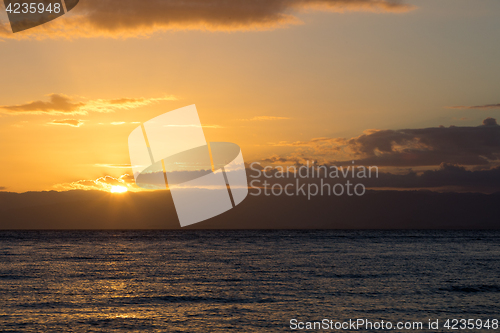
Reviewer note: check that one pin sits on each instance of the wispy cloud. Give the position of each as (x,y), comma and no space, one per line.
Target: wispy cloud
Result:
(126,18)
(68,122)
(485,106)
(63,104)
(265,118)
(111,105)
(202,126)
(114,166)
(118,123)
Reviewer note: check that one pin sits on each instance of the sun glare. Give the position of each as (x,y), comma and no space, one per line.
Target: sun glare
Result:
(118,189)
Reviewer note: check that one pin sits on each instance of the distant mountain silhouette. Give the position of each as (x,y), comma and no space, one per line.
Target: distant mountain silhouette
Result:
(155,210)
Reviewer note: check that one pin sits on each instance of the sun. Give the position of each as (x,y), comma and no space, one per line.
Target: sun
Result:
(118,189)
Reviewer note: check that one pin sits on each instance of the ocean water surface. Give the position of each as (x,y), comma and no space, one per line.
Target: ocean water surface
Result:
(242,281)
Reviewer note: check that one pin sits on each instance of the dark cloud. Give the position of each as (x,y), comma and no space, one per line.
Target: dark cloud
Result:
(486,106)
(135,18)
(454,175)
(490,122)
(446,176)
(3,188)
(429,146)
(69,122)
(478,145)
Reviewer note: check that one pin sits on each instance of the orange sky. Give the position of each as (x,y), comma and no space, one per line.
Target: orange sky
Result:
(262,77)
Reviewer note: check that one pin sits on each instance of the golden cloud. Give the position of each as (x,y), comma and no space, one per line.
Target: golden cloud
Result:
(132,18)
(104,183)
(264,118)
(63,104)
(113,166)
(68,122)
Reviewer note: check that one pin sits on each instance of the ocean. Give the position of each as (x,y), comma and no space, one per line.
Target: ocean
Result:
(246,281)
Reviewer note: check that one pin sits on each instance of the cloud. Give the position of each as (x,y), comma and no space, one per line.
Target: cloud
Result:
(114,166)
(430,146)
(103,105)
(104,183)
(202,126)
(446,177)
(69,122)
(486,106)
(63,104)
(454,175)
(279,159)
(118,123)
(264,118)
(58,103)
(3,188)
(311,143)
(490,122)
(478,145)
(126,18)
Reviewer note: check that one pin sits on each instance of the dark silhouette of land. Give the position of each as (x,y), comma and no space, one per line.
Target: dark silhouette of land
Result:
(155,210)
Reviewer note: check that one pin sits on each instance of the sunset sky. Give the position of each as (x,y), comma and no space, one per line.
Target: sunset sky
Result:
(285,80)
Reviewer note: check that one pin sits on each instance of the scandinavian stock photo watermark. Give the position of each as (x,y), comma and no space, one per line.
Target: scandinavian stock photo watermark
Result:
(310,179)
(363,324)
